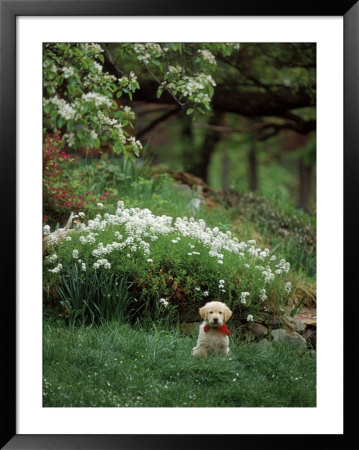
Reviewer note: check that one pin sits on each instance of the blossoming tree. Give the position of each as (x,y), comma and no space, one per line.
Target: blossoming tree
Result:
(80,96)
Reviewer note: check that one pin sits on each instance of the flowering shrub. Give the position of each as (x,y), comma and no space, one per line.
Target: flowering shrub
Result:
(61,194)
(79,97)
(173,263)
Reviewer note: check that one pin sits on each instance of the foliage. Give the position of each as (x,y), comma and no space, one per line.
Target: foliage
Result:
(63,189)
(79,98)
(178,262)
(291,230)
(115,365)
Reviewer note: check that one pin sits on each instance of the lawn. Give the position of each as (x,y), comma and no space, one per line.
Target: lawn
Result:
(116,365)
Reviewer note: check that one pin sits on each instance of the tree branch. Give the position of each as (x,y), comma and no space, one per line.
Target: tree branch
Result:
(156,122)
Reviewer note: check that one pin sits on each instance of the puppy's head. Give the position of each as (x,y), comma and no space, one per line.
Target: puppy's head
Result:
(215,313)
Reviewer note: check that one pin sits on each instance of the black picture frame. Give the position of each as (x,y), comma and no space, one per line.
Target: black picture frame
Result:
(9,10)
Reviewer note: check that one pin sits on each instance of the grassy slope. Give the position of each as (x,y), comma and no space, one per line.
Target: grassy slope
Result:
(116,365)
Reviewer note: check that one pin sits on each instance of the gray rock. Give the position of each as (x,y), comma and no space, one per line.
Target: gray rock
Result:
(264,342)
(290,337)
(299,326)
(311,337)
(274,322)
(258,330)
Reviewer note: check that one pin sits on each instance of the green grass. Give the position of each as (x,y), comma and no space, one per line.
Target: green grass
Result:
(114,365)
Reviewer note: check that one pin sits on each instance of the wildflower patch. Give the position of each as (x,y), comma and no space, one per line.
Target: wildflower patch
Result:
(171,264)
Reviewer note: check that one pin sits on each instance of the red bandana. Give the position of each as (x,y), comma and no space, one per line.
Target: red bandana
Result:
(223,329)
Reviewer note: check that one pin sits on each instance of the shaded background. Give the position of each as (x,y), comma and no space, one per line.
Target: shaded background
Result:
(261,134)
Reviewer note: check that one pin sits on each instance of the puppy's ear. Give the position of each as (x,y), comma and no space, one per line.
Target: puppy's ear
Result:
(203,312)
(227,313)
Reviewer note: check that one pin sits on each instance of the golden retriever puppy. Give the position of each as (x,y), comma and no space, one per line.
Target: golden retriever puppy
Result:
(213,332)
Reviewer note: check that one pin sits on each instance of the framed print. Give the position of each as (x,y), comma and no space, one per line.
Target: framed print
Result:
(192,176)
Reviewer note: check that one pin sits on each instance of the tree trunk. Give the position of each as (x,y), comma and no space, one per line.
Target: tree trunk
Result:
(253,168)
(225,169)
(203,158)
(305,180)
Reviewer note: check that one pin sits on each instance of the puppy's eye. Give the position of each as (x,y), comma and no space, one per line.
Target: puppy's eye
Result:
(220,312)
(211,312)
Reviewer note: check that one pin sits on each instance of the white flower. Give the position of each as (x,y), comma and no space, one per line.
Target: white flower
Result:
(288,287)
(149,260)
(163,302)
(68,71)
(57,269)
(102,262)
(205,294)
(75,254)
(208,56)
(100,205)
(46,230)
(52,258)
(244,296)
(249,318)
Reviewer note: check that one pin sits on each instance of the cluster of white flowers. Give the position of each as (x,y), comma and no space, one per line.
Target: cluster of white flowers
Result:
(57,269)
(46,230)
(98,99)
(221,285)
(125,81)
(194,87)
(288,287)
(69,138)
(283,266)
(208,56)
(102,262)
(129,113)
(134,143)
(91,48)
(244,296)
(82,265)
(52,258)
(163,302)
(268,274)
(249,318)
(89,239)
(134,230)
(175,70)
(68,71)
(66,110)
(145,52)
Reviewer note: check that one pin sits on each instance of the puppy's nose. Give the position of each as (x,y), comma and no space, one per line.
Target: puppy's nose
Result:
(215,320)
